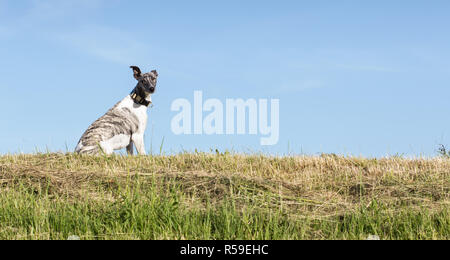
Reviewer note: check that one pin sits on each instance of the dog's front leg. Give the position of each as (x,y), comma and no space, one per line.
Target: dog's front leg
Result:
(138,140)
(130,148)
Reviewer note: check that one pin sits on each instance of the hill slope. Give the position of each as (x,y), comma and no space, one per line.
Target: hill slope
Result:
(205,196)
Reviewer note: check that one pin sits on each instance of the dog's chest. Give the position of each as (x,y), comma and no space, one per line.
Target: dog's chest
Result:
(138,110)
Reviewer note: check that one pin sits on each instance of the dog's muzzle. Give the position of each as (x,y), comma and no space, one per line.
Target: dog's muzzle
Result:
(150,89)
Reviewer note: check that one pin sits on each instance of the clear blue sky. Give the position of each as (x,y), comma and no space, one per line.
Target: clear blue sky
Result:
(365,78)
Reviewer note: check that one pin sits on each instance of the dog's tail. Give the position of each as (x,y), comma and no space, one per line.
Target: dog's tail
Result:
(91,150)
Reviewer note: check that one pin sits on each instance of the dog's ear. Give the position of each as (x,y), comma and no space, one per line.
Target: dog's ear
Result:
(137,72)
(155,73)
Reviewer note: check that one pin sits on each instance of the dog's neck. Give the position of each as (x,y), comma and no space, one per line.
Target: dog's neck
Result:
(140,97)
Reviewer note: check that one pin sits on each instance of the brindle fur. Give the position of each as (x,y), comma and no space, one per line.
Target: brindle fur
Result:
(114,122)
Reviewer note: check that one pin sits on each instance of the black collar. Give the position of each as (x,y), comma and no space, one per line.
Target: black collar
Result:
(139,97)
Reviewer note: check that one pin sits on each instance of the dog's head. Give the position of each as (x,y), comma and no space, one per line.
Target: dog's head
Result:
(147,81)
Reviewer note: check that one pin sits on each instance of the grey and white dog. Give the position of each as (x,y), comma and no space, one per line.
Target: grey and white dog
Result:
(125,123)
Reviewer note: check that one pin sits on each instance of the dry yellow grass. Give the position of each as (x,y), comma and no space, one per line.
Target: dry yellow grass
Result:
(316,187)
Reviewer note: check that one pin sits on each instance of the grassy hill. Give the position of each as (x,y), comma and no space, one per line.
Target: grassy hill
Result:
(223,196)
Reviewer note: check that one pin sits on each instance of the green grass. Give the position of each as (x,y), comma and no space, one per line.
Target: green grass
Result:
(203,196)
